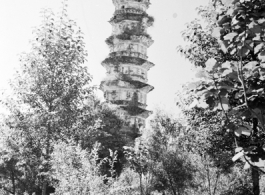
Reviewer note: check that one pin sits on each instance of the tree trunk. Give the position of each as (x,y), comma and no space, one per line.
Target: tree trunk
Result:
(255,172)
(216,181)
(255,180)
(44,188)
(141,188)
(13,182)
(208,178)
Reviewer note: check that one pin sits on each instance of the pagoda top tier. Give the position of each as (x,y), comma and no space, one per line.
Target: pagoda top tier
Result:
(138,4)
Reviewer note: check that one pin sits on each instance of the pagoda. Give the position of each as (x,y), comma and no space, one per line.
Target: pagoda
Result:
(126,83)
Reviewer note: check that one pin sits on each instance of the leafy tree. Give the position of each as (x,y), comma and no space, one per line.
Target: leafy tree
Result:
(77,171)
(211,147)
(127,183)
(52,100)
(170,166)
(233,82)
(137,157)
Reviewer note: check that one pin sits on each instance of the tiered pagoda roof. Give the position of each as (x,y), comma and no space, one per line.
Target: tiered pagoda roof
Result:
(126,81)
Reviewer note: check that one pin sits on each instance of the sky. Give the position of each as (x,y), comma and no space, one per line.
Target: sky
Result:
(19,17)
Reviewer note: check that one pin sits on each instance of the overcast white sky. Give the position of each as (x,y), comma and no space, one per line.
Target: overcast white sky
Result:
(18,17)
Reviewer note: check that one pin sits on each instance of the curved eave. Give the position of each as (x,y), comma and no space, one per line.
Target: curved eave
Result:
(145,114)
(140,85)
(136,111)
(147,64)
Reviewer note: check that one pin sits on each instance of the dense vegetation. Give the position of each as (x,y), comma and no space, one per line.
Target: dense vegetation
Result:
(57,138)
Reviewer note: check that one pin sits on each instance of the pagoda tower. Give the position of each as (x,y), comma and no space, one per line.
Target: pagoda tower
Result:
(126,83)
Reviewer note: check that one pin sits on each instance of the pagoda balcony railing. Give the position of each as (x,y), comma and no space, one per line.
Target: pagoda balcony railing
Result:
(129,54)
(126,16)
(147,41)
(128,10)
(124,102)
(146,2)
(134,77)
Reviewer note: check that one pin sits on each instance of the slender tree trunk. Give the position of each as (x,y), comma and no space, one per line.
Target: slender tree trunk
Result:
(45,183)
(44,188)
(216,181)
(255,180)
(255,172)
(13,182)
(208,178)
(141,188)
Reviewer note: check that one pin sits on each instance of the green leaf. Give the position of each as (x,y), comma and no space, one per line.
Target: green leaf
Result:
(227,64)
(246,166)
(260,163)
(242,52)
(262,56)
(246,131)
(223,92)
(227,72)
(202,103)
(216,32)
(193,104)
(243,130)
(224,103)
(255,28)
(237,156)
(230,36)
(210,64)
(238,149)
(201,74)
(193,85)
(227,2)
(251,65)
(210,101)
(238,132)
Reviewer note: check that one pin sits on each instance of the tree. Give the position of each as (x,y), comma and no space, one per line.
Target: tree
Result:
(211,147)
(233,82)
(77,171)
(51,99)
(170,166)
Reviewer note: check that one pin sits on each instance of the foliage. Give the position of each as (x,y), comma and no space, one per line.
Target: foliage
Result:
(76,170)
(127,183)
(212,148)
(233,82)
(51,94)
(204,134)
(52,100)
(171,168)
